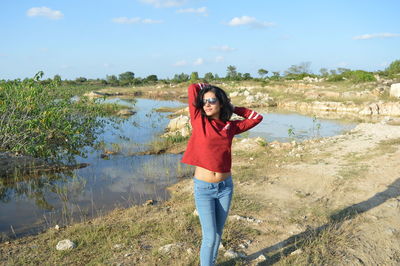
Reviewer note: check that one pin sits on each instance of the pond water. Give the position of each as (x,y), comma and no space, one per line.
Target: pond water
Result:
(285,126)
(28,206)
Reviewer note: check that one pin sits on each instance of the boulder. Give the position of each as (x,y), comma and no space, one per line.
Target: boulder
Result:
(395,90)
(178,123)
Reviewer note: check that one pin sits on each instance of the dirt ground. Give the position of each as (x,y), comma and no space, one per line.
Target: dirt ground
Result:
(349,182)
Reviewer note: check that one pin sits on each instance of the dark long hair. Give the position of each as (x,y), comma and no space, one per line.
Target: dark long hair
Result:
(226,110)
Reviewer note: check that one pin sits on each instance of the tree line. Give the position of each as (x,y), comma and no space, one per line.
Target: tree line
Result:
(294,72)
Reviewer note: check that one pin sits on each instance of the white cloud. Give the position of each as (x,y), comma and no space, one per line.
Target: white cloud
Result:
(151,21)
(180,63)
(44,12)
(219,59)
(199,61)
(164,3)
(249,21)
(223,48)
(200,11)
(137,20)
(376,35)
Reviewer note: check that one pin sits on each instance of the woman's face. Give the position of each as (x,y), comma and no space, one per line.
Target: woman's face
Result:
(211,105)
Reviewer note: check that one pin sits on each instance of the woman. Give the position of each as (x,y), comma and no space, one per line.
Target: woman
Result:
(209,149)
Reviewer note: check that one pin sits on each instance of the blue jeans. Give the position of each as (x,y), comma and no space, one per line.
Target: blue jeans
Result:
(212,203)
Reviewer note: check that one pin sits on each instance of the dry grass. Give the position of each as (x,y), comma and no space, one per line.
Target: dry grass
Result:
(127,236)
(330,244)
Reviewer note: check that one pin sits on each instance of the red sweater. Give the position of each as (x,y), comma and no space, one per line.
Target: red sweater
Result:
(210,144)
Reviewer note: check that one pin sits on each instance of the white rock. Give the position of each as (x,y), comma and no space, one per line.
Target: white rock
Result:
(178,123)
(395,90)
(234,94)
(168,248)
(117,246)
(57,227)
(231,254)
(195,212)
(247,219)
(296,252)
(65,245)
(189,251)
(261,258)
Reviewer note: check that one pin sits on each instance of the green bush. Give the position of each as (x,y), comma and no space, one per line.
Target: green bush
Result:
(44,121)
(394,67)
(358,76)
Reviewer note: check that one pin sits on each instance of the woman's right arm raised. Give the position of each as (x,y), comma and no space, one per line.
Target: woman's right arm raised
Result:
(193,91)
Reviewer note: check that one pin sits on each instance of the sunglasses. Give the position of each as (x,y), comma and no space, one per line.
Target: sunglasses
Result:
(210,101)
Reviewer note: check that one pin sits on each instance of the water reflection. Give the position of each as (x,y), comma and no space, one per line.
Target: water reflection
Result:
(30,204)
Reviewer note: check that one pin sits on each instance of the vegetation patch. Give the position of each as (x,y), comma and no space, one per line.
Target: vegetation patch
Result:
(43,121)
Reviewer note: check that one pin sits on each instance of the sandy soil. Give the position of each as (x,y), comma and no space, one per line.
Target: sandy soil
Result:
(347,179)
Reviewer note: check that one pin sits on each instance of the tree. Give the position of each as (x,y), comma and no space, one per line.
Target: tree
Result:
(81,79)
(126,78)
(209,76)
(181,77)
(194,76)
(394,67)
(231,72)
(302,68)
(262,72)
(275,75)
(57,78)
(112,80)
(324,72)
(246,76)
(152,78)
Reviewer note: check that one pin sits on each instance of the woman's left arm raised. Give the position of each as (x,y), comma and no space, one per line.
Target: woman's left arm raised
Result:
(252,118)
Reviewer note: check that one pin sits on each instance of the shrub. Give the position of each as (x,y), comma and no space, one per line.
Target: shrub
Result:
(394,67)
(44,121)
(359,76)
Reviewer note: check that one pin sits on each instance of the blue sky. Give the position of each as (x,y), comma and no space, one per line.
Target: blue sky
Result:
(95,38)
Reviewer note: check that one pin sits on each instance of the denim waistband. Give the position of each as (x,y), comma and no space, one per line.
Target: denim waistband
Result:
(198,181)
